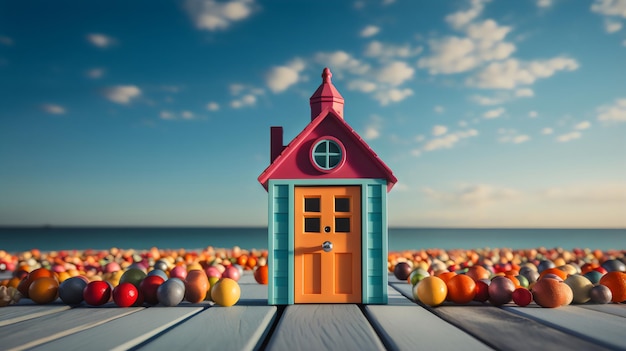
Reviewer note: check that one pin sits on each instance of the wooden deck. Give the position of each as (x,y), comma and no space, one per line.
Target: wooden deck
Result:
(251,324)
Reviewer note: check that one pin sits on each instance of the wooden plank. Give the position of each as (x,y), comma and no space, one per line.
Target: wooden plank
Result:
(36,331)
(504,330)
(17,313)
(324,327)
(611,308)
(252,293)
(395,298)
(227,328)
(413,327)
(124,333)
(601,328)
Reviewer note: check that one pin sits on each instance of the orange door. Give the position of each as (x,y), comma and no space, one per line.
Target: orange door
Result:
(327,242)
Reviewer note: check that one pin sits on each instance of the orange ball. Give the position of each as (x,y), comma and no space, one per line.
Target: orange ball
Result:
(44,290)
(261,275)
(616,282)
(461,289)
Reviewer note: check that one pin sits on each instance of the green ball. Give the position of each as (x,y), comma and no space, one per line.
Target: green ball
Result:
(133,276)
(417,275)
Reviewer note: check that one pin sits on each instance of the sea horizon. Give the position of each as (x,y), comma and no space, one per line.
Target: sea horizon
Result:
(54,238)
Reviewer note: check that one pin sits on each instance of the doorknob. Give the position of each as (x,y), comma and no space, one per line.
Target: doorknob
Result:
(327,246)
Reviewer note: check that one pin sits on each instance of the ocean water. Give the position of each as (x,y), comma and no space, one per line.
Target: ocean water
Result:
(80,238)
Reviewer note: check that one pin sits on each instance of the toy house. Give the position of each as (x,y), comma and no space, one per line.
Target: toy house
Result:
(327,216)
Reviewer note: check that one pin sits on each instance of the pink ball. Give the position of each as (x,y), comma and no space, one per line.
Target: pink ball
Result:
(112,267)
(231,272)
(178,272)
(212,271)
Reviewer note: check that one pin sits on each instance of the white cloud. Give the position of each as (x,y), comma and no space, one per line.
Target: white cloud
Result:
(613,113)
(386,51)
(340,60)
(395,73)
(167,115)
(95,73)
(462,124)
(524,92)
(533,114)
(449,140)
(54,109)
(473,195)
(279,78)
(212,106)
(392,95)
(547,131)
(371,133)
(612,26)
(369,31)
(416,152)
(603,192)
(610,7)
(439,109)
(495,113)
(100,40)
(518,139)
(362,86)
(512,72)
(122,94)
(215,15)
(4,40)
(247,100)
(462,18)
(544,3)
(511,136)
(170,116)
(568,137)
(439,130)
(486,100)
(484,43)
(582,125)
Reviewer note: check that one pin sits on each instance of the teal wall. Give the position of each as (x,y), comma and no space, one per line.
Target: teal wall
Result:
(373,237)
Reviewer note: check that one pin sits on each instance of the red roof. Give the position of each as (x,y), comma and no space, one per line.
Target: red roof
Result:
(360,160)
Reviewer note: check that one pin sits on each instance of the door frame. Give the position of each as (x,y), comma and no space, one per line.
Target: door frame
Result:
(374,235)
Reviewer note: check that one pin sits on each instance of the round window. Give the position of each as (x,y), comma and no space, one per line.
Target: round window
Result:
(327,154)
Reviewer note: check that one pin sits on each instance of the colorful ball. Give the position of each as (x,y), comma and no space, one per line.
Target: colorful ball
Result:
(71,290)
(431,291)
(226,292)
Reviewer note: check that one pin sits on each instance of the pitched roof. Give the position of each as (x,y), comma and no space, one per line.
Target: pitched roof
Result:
(289,152)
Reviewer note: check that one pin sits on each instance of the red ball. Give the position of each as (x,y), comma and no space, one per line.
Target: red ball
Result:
(97,293)
(482,291)
(522,297)
(125,295)
(148,288)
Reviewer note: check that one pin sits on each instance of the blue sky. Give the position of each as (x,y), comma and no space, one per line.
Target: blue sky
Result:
(490,113)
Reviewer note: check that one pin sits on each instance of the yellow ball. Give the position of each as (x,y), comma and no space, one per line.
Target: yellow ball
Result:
(226,292)
(431,290)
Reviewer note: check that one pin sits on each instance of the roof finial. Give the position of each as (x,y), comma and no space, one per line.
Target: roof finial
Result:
(326,97)
(326,75)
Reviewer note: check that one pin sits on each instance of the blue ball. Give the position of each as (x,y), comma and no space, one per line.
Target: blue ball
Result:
(171,292)
(614,265)
(71,290)
(158,272)
(593,276)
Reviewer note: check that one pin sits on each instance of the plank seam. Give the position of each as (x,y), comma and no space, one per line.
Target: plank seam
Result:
(376,328)
(262,345)
(458,326)
(163,331)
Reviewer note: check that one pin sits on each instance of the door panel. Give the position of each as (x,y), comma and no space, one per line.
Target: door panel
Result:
(327,214)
